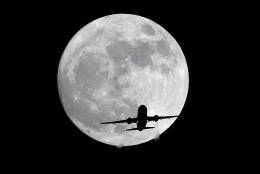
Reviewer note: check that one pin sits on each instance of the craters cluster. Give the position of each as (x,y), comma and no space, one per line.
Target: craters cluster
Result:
(124,55)
(137,55)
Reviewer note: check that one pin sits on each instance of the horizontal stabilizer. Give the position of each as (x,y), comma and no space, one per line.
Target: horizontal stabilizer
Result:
(138,129)
(149,127)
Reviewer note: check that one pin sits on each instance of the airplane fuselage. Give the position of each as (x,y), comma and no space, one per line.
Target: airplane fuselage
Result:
(142,117)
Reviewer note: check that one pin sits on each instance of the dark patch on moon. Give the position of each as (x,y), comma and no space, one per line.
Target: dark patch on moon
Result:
(142,54)
(119,50)
(164,69)
(87,71)
(147,29)
(163,48)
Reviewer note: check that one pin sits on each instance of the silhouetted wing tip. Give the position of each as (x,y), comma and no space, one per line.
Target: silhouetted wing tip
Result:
(164,117)
(132,129)
(113,122)
(105,123)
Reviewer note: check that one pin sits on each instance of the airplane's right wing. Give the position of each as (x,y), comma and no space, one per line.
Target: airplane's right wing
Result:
(128,121)
(156,118)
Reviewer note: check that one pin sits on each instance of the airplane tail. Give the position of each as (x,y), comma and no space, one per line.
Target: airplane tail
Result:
(138,129)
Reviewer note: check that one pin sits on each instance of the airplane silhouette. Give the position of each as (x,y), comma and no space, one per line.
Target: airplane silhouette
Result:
(141,119)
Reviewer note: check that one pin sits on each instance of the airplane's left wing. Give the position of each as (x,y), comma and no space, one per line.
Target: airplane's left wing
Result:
(138,129)
(128,121)
(156,117)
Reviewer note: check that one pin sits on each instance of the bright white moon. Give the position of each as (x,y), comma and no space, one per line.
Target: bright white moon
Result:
(113,65)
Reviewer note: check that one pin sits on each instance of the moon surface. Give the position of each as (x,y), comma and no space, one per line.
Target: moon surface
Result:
(112,66)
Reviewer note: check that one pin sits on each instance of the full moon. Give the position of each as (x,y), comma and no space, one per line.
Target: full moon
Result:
(113,65)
